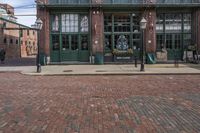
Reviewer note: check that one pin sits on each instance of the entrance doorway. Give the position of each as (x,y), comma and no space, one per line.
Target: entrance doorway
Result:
(174,46)
(69,37)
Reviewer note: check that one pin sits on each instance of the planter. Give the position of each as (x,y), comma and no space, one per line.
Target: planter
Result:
(99,59)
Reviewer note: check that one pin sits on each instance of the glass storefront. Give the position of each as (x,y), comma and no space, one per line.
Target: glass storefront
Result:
(121,27)
(173,33)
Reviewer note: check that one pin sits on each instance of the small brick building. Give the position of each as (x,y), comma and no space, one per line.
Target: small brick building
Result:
(17,43)
(75,30)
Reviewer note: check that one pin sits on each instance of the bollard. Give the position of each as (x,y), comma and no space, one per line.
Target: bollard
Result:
(135,61)
(176,63)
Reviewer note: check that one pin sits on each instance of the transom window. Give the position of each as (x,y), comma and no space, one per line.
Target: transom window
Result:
(84,24)
(69,22)
(55,23)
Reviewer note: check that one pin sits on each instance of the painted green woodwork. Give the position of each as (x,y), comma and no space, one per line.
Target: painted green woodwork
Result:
(173,46)
(69,43)
(126,24)
(174,33)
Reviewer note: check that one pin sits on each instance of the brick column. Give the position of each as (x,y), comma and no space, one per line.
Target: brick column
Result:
(150,32)
(196,28)
(44,41)
(97,28)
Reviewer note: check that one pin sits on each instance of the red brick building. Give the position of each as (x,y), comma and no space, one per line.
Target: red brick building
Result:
(76,30)
(18,40)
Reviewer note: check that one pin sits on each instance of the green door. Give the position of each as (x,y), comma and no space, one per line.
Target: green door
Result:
(74,48)
(55,48)
(173,46)
(69,48)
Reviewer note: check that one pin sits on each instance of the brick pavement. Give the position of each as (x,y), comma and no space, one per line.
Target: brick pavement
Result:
(99,104)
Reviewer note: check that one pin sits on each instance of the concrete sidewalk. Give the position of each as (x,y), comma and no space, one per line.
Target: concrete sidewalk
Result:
(128,69)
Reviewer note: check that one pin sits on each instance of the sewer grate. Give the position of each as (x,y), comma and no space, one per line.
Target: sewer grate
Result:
(68,71)
(101,71)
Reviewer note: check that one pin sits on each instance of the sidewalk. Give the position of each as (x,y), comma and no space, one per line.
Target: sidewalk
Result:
(127,69)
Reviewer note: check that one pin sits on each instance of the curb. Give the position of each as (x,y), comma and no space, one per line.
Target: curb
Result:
(109,74)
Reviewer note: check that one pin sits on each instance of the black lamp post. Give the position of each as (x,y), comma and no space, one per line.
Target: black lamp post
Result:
(38,25)
(143,24)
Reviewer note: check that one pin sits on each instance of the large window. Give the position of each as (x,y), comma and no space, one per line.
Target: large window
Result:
(122,23)
(173,30)
(108,23)
(173,22)
(187,22)
(55,42)
(72,32)
(84,42)
(160,23)
(121,29)
(65,42)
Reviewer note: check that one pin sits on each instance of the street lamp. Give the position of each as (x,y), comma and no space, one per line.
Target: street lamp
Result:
(143,24)
(38,25)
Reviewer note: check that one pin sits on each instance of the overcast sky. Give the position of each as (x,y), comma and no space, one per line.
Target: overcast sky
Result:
(26,20)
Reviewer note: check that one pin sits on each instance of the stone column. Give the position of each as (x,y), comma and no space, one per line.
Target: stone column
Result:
(97,27)
(43,14)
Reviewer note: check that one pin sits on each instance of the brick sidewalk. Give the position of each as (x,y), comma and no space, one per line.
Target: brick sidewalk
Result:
(100,104)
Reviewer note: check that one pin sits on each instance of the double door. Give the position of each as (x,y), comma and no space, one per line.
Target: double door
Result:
(70,48)
(174,46)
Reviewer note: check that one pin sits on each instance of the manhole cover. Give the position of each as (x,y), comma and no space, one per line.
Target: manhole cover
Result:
(68,71)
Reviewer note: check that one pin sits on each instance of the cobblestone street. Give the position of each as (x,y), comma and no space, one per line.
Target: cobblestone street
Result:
(99,104)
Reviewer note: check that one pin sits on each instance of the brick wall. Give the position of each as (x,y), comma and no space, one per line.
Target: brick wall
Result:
(196,28)
(12,40)
(44,39)
(150,32)
(97,30)
(28,43)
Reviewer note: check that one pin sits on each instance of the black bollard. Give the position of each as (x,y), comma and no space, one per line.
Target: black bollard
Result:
(135,61)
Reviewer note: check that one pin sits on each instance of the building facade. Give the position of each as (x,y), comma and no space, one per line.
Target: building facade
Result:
(76,30)
(18,40)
